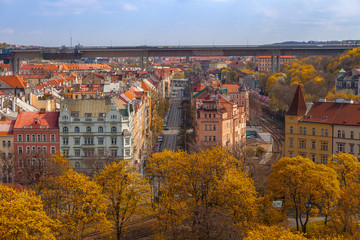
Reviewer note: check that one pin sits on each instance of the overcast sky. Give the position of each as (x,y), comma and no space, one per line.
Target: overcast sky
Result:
(174,22)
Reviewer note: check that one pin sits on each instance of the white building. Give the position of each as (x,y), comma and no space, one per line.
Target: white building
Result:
(95,128)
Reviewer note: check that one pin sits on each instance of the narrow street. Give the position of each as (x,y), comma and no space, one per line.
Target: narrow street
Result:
(170,137)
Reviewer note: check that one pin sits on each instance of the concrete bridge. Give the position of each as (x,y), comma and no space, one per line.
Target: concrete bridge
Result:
(275,51)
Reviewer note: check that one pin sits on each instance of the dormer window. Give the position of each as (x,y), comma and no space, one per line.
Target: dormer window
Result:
(36,121)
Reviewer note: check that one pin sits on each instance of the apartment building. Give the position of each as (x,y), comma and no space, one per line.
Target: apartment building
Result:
(265,62)
(96,128)
(6,150)
(36,137)
(238,94)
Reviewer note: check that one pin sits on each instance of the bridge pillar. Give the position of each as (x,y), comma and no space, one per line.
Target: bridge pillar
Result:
(142,61)
(147,60)
(272,63)
(15,65)
(278,62)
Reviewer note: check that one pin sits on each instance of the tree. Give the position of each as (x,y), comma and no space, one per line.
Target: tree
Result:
(76,201)
(273,233)
(347,211)
(301,185)
(196,194)
(127,192)
(22,216)
(7,166)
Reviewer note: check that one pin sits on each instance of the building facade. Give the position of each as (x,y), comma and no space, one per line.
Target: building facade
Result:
(6,151)
(36,138)
(96,128)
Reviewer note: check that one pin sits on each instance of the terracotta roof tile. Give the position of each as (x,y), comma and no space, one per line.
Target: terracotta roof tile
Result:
(27,118)
(13,81)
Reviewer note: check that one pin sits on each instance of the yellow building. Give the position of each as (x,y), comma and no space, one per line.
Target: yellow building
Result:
(308,134)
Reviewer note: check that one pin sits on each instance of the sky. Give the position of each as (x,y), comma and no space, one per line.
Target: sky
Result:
(176,22)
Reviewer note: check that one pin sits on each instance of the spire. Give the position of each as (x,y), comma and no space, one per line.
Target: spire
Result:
(298,104)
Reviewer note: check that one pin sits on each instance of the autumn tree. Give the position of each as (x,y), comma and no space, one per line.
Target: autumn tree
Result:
(22,216)
(199,195)
(302,185)
(7,166)
(75,200)
(273,233)
(127,193)
(347,211)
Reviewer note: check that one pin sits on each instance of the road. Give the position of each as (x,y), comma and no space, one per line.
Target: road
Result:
(170,137)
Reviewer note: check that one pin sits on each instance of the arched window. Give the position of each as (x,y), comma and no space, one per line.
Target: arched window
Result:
(113,129)
(352,135)
(77,129)
(339,134)
(304,130)
(301,130)
(291,129)
(100,129)
(65,129)
(322,132)
(326,132)
(343,134)
(88,129)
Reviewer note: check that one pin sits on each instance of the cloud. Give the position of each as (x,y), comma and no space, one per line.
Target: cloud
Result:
(129,7)
(8,31)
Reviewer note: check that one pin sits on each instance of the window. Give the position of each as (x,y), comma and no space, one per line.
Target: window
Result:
(20,162)
(214,138)
(205,115)
(33,138)
(77,129)
(291,129)
(313,145)
(205,138)
(64,117)
(291,143)
(343,134)
(89,152)
(77,152)
(339,134)
(324,146)
(88,129)
(39,149)
(87,114)
(4,143)
(113,141)
(77,165)
(352,148)
(113,117)
(89,141)
(44,150)
(65,129)
(100,152)
(326,132)
(313,131)
(322,132)
(113,152)
(4,156)
(127,152)
(127,141)
(304,130)
(341,147)
(301,132)
(313,158)
(209,115)
(77,141)
(324,159)
(53,150)
(302,144)
(33,149)
(205,127)
(20,137)
(100,141)
(75,114)
(214,127)
(28,137)
(65,141)
(44,138)
(113,129)
(39,138)
(210,138)
(291,154)
(9,155)
(100,129)
(66,152)
(9,143)
(352,135)
(101,114)
(28,149)
(214,115)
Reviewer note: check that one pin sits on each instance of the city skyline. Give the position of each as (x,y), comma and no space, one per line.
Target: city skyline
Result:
(176,22)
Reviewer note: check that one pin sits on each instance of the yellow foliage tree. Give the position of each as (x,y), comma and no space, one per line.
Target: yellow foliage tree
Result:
(302,185)
(128,193)
(273,233)
(346,212)
(77,202)
(196,193)
(22,216)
